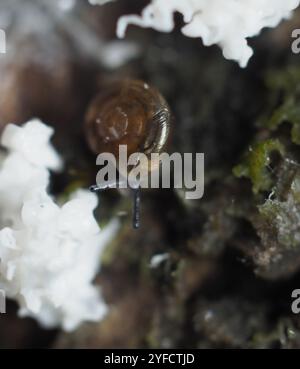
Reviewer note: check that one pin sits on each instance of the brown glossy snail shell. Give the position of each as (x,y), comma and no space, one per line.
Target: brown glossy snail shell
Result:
(131,113)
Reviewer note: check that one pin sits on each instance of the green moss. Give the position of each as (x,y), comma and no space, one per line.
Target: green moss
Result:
(256,162)
(286,80)
(285,86)
(289,111)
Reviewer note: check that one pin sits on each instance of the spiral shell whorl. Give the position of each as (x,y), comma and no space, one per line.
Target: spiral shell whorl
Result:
(128,113)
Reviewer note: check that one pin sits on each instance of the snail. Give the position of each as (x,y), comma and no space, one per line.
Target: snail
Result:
(131,113)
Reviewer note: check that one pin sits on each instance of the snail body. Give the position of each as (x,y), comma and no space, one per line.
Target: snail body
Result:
(130,113)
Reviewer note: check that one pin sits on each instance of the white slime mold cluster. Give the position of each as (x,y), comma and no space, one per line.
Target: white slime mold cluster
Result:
(49,254)
(227,23)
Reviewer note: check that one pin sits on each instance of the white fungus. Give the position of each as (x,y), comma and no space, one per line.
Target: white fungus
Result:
(49,254)
(227,23)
